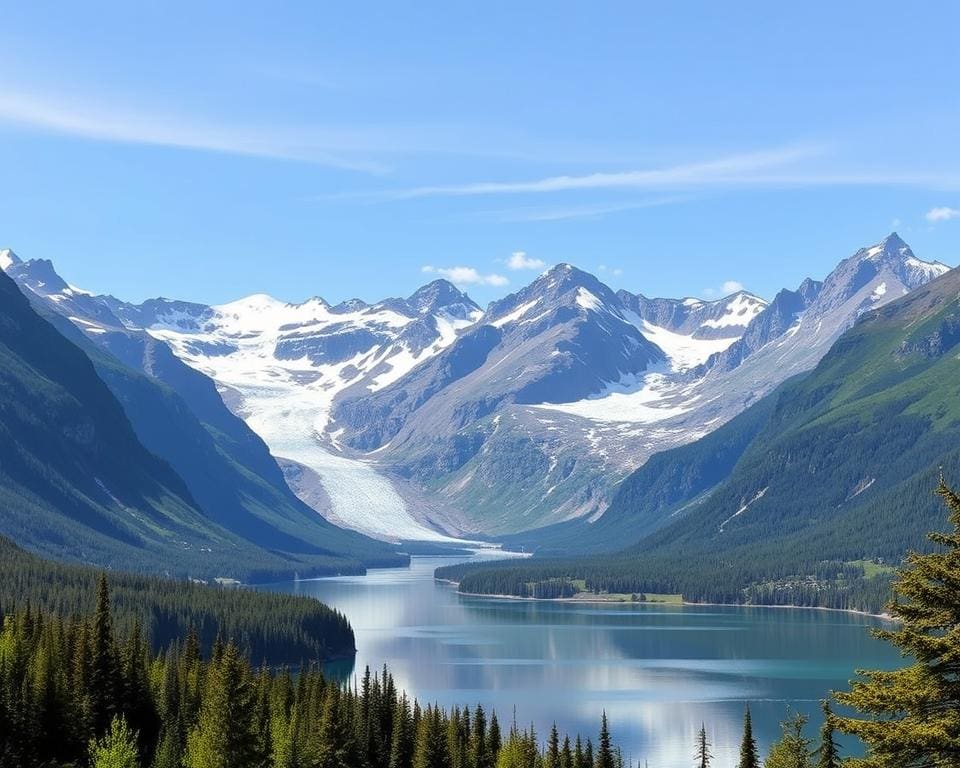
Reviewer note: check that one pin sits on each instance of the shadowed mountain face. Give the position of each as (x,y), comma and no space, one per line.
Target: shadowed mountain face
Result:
(844,459)
(177,414)
(564,387)
(425,414)
(836,464)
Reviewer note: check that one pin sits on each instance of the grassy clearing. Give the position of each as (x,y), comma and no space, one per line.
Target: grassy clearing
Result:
(871,569)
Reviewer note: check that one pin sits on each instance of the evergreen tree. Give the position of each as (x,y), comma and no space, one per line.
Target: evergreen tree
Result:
(103,664)
(579,759)
(792,750)
(401,741)
(828,753)
(703,755)
(911,716)
(749,758)
(479,748)
(221,713)
(566,755)
(552,758)
(137,700)
(117,749)
(605,758)
(494,739)
(225,735)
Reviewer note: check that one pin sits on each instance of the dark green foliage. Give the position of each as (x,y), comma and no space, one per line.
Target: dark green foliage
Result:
(78,483)
(792,750)
(836,474)
(749,756)
(827,754)
(276,627)
(605,756)
(178,415)
(76,692)
(910,717)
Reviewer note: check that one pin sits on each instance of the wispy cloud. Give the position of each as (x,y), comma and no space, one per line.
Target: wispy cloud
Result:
(465,275)
(723,170)
(126,125)
(792,166)
(587,211)
(942,213)
(519,260)
(606,270)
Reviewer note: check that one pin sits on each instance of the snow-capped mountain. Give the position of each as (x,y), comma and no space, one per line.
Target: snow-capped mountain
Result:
(178,415)
(725,318)
(534,412)
(280,366)
(423,417)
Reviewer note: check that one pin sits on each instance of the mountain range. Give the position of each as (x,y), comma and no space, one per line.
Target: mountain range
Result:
(119,454)
(429,418)
(806,497)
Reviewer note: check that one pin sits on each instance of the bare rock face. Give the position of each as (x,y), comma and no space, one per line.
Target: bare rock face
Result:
(522,415)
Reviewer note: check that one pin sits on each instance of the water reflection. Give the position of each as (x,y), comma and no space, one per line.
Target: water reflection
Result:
(659,671)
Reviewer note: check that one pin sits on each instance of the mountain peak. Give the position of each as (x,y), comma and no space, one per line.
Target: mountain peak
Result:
(437,295)
(8,259)
(893,239)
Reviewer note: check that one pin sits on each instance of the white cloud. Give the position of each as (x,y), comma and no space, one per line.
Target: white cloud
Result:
(728,287)
(520,260)
(724,170)
(942,213)
(129,125)
(588,211)
(784,167)
(466,276)
(615,271)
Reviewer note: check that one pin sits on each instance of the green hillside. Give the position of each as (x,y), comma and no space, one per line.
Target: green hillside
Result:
(836,480)
(281,629)
(77,484)
(177,414)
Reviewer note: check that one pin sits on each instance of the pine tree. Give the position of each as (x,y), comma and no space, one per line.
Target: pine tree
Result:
(604,757)
(104,663)
(828,753)
(552,758)
(479,747)
(579,760)
(137,699)
(494,739)
(748,746)
(911,716)
(792,750)
(566,756)
(703,755)
(401,742)
(225,735)
(117,749)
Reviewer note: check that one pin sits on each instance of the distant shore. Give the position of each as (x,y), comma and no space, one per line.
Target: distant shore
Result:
(598,599)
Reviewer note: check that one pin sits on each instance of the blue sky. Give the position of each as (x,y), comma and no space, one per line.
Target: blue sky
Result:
(211,150)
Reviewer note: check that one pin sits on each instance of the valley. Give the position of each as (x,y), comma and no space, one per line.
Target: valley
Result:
(429,419)
(498,385)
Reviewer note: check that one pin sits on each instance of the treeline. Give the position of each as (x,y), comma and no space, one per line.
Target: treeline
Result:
(759,581)
(77,692)
(281,629)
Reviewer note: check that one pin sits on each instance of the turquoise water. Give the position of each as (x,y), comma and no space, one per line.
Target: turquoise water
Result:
(658,671)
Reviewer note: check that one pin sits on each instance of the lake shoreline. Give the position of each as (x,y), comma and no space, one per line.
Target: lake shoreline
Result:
(598,601)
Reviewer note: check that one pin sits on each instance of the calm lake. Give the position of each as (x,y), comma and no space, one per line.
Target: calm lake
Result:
(658,671)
